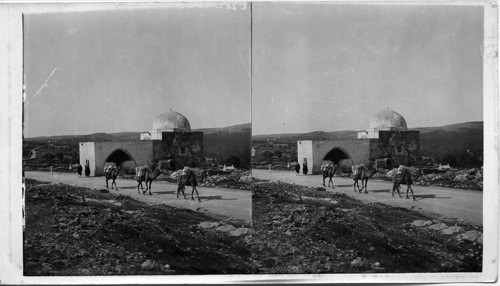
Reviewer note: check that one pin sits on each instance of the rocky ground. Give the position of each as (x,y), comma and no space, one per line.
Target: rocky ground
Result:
(77,231)
(305,230)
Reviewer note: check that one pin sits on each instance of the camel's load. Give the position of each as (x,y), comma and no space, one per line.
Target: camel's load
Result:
(399,171)
(185,171)
(109,168)
(356,169)
(141,170)
(327,166)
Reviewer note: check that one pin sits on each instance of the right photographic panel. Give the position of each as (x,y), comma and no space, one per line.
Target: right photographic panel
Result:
(367,138)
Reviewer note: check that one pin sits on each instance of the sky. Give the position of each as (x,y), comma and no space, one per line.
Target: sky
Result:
(115,71)
(332,67)
(315,66)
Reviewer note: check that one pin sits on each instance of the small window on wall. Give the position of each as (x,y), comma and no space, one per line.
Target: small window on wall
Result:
(399,149)
(184,150)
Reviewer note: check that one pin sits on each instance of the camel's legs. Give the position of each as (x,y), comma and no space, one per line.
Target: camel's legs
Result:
(331,180)
(107,184)
(365,186)
(192,192)
(412,194)
(399,188)
(150,188)
(355,183)
(324,182)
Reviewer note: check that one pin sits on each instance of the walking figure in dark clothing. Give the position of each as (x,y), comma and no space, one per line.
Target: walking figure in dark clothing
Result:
(87,168)
(79,170)
(297,168)
(304,169)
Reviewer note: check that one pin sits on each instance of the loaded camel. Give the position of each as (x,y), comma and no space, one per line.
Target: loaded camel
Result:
(403,177)
(189,179)
(111,172)
(361,172)
(328,172)
(144,174)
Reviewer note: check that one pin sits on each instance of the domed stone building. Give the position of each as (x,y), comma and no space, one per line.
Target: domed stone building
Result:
(387,143)
(171,140)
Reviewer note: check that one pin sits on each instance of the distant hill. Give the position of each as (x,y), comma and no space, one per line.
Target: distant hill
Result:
(230,144)
(97,137)
(315,135)
(434,141)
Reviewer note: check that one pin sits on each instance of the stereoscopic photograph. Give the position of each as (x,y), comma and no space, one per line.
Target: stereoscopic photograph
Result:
(136,149)
(198,142)
(370,135)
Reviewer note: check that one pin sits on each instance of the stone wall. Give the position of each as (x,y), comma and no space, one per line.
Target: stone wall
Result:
(315,151)
(98,152)
(401,147)
(87,152)
(305,151)
(185,148)
(357,150)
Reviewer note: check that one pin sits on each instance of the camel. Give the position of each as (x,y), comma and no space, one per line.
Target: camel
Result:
(328,172)
(403,178)
(111,173)
(146,176)
(360,172)
(188,180)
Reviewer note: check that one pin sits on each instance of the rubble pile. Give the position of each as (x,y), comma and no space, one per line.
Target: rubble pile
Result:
(456,178)
(237,179)
(77,231)
(300,230)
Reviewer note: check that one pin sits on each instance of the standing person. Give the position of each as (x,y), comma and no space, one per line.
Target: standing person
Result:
(79,170)
(87,168)
(304,168)
(297,168)
(51,170)
(269,168)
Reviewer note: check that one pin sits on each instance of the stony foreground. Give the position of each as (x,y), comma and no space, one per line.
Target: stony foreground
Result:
(305,230)
(77,231)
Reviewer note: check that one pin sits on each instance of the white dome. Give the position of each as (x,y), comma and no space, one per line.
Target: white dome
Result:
(388,120)
(171,121)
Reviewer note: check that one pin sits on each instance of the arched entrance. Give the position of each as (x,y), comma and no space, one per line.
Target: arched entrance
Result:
(338,156)
(121,158)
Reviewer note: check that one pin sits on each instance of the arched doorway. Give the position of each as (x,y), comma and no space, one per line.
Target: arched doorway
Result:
(121,158)
(338,156)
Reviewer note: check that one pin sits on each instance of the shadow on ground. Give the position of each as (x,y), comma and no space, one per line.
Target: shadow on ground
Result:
(430,197)
(209,198)
(165,193)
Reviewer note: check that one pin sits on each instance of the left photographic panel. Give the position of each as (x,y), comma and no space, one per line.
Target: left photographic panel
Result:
(136,140)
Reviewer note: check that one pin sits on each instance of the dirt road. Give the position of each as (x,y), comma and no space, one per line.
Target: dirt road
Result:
(229,203)
(454,203)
